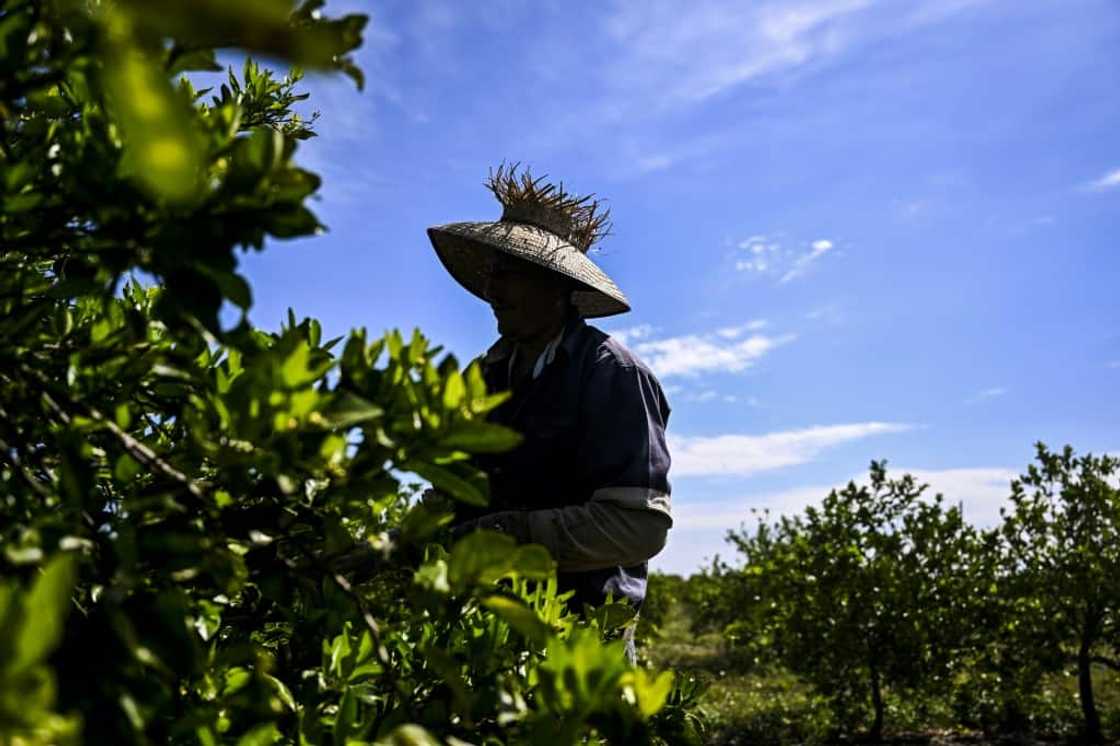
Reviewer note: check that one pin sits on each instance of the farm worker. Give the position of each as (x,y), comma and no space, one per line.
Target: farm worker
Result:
(590,479)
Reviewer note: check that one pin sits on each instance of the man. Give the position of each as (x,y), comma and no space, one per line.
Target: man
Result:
(590,479)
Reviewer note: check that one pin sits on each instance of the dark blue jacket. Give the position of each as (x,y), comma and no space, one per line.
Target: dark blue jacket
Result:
(594,428)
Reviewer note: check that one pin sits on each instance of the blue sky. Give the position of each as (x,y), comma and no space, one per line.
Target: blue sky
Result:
(849,229)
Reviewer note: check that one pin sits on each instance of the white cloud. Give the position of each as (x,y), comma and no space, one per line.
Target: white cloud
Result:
(817,249)
(734,332)
(632,334)
(730,514)
(762,254)
(691,52)
(699,528)
(980,491)
(705,396)
(745,455)
(693,354)
(991,393)
(1111,180)
(829,314)
(765,255)
(669,54)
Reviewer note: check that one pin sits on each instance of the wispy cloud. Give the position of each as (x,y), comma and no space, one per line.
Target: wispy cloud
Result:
(671,54)
(699,528)
(1111,180)
(632,334)
(981,492)
(727,350)
(707,396)
(986,394)
(694,51)
(734,332)
(817,249)
(761,254)
(730,514)
(746,455)
(767,255)
(829,314)
(1113,364)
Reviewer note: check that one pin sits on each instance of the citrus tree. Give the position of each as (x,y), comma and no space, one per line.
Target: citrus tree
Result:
(862,593)
(207,534)
(1062,533)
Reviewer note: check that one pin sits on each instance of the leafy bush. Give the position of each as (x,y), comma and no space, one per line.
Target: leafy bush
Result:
(210,535)
(859,594)
(892,608)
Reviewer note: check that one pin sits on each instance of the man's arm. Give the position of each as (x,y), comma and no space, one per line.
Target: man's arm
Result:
(590,536)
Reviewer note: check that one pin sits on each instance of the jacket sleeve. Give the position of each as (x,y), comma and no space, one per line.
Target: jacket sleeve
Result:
(624,461)
(591,536)
(623,456)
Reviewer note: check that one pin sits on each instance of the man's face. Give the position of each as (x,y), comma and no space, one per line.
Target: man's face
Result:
(528,300)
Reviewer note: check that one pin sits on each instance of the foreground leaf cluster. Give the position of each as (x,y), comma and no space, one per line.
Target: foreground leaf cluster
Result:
(215,535)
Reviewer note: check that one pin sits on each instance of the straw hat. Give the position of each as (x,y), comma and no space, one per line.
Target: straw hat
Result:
(540,223)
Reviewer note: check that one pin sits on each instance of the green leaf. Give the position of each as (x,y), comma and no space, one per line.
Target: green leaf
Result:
(261,735)
(76,475)
(443,478)
(185,60)
(651,690)
(126,469)
(162,150)
(532,561)
(454,391)
(281,690)
(520,617)
(236,679)
(409,735)
(347,410)
(45,611)
(480,557)
(614,615)
(477,436)
(14,30)
(294,372)
(421,521)
(292,223)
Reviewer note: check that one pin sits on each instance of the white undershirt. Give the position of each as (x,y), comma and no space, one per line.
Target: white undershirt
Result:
(548,354)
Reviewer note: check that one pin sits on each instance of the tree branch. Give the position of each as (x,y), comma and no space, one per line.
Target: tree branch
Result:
(36,486)
(147,456)
(344,585)
(1107,662)
(138,450)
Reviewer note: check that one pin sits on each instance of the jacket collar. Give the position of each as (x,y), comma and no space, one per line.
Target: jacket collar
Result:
(503,349)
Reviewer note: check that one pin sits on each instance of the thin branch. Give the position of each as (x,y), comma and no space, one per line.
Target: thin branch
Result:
(1107,662)
(36,486)
(146,455)
(138,450)
(344,585)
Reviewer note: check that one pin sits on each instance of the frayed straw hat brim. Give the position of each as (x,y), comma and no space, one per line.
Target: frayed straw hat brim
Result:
(463,248)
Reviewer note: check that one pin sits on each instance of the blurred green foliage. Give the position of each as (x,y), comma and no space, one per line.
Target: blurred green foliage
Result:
(214,535)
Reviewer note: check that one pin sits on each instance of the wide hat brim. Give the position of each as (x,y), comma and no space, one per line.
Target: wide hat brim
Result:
(466,251)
